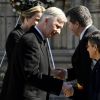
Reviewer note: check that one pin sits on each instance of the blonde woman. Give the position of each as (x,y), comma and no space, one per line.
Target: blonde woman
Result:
(28,18)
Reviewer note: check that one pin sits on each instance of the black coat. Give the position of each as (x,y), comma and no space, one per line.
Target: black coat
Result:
(12,40)
(29,70)
(11,43)
(81,63)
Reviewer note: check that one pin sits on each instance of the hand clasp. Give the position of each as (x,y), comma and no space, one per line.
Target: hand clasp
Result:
(60,73)
(67,89)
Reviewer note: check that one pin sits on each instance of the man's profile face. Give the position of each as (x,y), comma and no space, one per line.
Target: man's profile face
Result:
(74,27)
(53,27)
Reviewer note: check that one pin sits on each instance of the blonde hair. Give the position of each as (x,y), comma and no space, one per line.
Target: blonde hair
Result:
(31,12)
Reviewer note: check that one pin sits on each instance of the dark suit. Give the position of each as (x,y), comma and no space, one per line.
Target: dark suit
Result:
(81,66)
(29,70)
(94,88)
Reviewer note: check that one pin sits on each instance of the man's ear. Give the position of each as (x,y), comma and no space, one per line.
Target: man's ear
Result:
(77,23)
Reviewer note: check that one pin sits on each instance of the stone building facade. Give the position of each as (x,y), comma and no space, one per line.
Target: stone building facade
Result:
(62,46)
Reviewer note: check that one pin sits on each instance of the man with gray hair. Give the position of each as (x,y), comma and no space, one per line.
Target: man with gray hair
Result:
(80,23)
(29,72)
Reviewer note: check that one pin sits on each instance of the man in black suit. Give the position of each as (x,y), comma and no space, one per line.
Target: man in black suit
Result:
(80,23)
(93,47)
(29,72)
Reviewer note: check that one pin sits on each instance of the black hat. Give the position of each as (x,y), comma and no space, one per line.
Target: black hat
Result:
(22,5)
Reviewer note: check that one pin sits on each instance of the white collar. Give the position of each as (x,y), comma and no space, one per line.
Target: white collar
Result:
(81,35)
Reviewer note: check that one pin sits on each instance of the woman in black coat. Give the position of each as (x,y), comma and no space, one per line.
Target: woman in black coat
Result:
(28,18)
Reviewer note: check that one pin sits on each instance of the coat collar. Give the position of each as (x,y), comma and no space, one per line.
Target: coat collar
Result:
(37,34)
(89,31)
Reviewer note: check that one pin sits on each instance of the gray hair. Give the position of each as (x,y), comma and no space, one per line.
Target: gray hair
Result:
(54,12)
(81,14)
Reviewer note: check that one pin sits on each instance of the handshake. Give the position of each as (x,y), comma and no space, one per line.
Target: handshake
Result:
(67,87)
(62,74)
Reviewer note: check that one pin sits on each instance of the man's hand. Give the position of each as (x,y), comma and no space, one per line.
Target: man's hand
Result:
(60,73)
(67,89)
